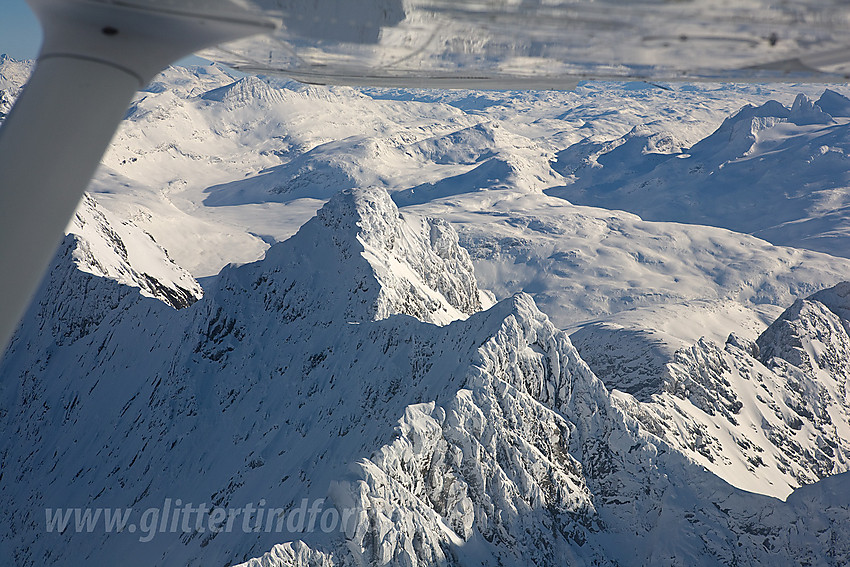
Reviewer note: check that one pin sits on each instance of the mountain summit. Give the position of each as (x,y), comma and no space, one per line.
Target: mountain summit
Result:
(317,375)
(359,259)
(344,393)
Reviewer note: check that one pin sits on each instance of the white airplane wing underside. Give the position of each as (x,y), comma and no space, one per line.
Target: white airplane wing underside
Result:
(546,43)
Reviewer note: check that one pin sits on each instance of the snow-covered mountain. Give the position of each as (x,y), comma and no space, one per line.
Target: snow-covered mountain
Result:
(768,415)
(13,75)
(776,172)
(220,173)
(117,249)
(404,321)
(103,266)
(469,443)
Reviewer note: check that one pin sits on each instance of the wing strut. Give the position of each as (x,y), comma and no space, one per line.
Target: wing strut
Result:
(94,58)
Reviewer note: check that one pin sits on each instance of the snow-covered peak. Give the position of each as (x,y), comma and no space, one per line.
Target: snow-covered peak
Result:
(813,335)
(835,104)
(103,266)
(836,299)
(416,165)
(634,153)
(768,415)
(775,172)
(804,112)
(499,159)
(189,81)
(770,109)
(485,441)
(738,133)
(121,251)
(243,91)
(464,146)
(359,245)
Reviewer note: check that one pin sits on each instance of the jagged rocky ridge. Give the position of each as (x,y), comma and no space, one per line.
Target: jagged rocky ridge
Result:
(81,291)
(13,75)
(768,415)
(312,374)
(123,252)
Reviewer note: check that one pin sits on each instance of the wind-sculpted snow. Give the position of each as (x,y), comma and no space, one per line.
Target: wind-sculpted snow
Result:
(492,475)
(492,463)
(500,160)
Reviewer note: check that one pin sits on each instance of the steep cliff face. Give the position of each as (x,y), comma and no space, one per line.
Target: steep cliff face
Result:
(768,415)
(102,267)
(119,250)
(813,335)
(317,375)
(360,260)
(492,470)
(317,337)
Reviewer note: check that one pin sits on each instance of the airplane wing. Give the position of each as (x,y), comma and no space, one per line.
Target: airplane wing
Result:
(546,43)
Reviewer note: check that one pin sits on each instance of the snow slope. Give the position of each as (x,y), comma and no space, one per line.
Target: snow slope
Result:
(768,415)
(358,357)
(583,264)
(119,250)
(268,153)
(484,441)
(776,172)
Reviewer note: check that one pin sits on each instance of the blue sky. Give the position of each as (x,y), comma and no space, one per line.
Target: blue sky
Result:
(20,34)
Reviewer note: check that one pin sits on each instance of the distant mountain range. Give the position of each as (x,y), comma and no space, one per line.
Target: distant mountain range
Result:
(775,172)
(398,305)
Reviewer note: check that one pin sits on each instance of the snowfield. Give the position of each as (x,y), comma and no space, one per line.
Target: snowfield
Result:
(602,327)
